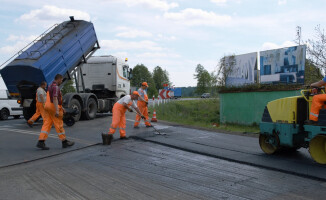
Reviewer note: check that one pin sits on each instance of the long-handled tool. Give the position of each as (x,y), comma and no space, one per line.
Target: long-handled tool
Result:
(157,131)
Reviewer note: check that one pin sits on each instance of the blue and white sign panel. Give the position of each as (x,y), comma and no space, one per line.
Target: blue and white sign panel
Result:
(285,65)
(243,70)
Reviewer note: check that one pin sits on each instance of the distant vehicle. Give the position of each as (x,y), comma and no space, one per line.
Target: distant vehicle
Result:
(177,93)
(205,95)
(9,106)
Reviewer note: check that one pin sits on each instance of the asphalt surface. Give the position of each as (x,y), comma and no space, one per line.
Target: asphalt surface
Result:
(185,163)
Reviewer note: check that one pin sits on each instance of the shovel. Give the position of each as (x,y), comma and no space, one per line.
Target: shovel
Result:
(157,131)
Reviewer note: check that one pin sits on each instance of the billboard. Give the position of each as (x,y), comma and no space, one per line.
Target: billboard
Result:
(285,65)
(242,71)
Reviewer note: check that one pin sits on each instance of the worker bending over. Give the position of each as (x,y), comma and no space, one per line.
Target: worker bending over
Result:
(119,117)
(53,114)
(40,102)
(317,103)
(142,104)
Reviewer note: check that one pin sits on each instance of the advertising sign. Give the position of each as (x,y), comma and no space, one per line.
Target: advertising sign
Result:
(285,65)
(242,70)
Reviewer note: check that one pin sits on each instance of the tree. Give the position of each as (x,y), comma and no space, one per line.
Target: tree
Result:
(203,79)
(312,73)
(141,74)
(188,91)
(316,49)
(160,77)
(225,69)
(68,87)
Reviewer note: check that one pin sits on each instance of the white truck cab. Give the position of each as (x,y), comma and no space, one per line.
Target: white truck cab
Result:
(107,74)
(9,106)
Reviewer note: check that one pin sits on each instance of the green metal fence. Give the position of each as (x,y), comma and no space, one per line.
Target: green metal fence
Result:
(248,107)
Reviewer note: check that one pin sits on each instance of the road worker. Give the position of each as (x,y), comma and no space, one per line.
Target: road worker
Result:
(142,104)
(119,117)
(317,103)
(40,102)
(53,114)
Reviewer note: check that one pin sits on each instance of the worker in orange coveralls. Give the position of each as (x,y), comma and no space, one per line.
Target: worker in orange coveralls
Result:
(40,102)
(142,104)
(119,117)
(317,103)
(53,114)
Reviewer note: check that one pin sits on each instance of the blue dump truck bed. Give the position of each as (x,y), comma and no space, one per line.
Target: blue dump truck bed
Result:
(57,52)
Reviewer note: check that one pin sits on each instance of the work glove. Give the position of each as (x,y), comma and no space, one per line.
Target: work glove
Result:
(143,117)
(130,110)
(146,103)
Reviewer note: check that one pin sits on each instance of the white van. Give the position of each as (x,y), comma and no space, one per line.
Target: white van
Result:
(9,106)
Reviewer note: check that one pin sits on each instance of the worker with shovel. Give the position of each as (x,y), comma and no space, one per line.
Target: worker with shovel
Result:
(142,104)
(119,117)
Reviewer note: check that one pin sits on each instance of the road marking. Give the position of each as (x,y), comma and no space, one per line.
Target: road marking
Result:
(3,128)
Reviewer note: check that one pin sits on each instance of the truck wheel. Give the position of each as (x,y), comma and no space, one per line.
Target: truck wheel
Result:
(16,116)
(4,113)
(91,110)
(74,104)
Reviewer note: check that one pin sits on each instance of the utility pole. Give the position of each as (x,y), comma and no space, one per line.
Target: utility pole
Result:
(299,34)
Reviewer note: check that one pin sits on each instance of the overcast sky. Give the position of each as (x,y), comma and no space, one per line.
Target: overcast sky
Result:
(174,34)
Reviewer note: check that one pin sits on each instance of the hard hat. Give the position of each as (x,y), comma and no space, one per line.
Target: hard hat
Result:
(144,84)
(135,93)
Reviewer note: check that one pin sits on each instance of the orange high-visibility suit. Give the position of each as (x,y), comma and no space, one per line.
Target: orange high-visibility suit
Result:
(316,105)
(143,108)
(119,117)
(39,109)
(49,117)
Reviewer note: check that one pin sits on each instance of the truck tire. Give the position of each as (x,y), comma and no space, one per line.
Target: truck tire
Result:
(91,110)
(74,104)
(4,113)
(28,112)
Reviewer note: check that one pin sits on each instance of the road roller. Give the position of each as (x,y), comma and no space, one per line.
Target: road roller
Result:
(284,126)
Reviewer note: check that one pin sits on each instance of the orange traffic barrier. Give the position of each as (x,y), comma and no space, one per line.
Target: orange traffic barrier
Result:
(154,117)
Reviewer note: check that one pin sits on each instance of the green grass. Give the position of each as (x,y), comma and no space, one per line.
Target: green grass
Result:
(198,113)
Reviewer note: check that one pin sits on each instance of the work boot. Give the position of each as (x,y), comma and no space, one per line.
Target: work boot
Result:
(67,143)
(148,126)
(136,126)
(41,144)
(107,138)
(124,138)
(30,124)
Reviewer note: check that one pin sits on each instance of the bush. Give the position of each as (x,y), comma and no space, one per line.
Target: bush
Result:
(261,88)
(190,112)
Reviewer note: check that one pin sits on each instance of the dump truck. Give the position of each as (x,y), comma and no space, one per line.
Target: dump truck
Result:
(283,126)
(65,49)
